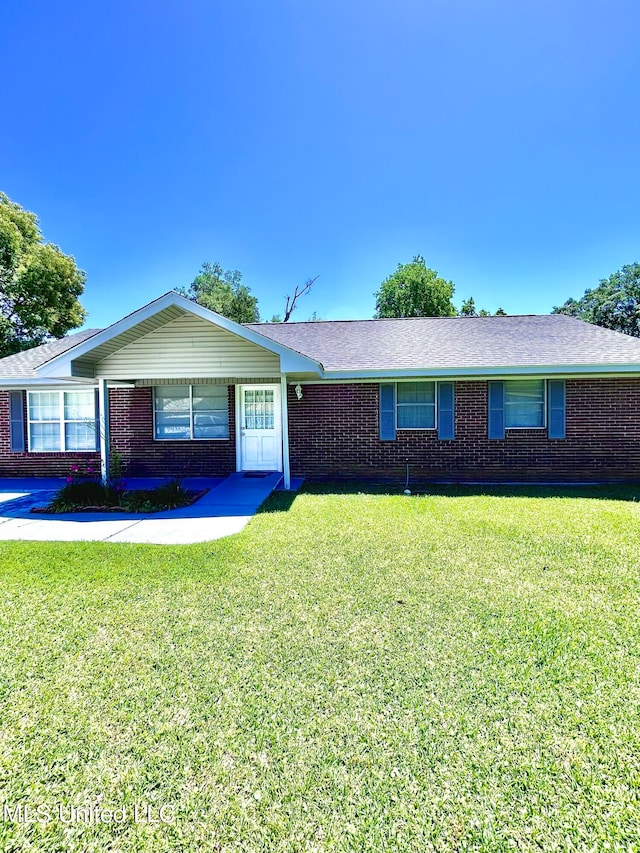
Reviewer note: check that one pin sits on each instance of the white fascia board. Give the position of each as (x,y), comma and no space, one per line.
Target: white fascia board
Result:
(30,382)
(290,359)
(488,372)
(59,382)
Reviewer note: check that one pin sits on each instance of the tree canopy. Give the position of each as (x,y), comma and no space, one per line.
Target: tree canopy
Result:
(614,303)
(222,291)
(39,285)
(414,290)
(468,309)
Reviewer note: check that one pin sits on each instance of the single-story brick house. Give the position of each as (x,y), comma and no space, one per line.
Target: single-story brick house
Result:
(179,390)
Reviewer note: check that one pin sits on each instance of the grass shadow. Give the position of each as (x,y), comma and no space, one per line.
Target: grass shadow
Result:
(603,491)
(278,501)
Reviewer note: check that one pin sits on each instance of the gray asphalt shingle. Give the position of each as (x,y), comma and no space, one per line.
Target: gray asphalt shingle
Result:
(24,364)
(454,342)
(417,343)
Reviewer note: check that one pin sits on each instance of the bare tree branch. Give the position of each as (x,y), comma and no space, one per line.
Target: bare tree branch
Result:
(297,293)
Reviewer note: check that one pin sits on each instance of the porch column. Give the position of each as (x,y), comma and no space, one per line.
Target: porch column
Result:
(103,426)
(286,468)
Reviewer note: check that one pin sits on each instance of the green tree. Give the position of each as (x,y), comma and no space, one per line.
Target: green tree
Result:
(414,290)
(39,285)
(222,291)
(468,309)
(614,303)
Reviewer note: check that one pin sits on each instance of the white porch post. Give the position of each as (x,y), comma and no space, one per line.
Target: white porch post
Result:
(103,426)
(286,469)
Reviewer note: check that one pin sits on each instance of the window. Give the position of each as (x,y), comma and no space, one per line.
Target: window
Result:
(259,408)
(416,405)
(524,403)
(187,412)
(62,421)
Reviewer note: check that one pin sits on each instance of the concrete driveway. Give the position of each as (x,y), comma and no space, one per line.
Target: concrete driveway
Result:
(224,510)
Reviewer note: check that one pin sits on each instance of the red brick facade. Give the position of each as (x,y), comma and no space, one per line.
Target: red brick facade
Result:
(131,422)
(333,433)
(34,464)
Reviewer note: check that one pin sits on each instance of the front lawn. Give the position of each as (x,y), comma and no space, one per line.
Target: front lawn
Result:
(353,672)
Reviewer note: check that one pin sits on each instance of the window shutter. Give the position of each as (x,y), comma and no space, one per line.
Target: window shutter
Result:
(557,408)
(387,420)
(496,410)
(16,403)
(446,424)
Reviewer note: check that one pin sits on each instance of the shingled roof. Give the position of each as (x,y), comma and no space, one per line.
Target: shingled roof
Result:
(417,344)
(25,364)
(455,342)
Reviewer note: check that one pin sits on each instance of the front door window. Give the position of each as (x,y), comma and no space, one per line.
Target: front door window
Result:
(258,409)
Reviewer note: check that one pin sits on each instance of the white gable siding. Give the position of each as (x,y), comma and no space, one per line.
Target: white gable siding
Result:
(188,346)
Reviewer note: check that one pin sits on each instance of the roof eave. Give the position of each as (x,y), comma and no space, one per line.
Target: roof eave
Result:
(610,369)
(7,382)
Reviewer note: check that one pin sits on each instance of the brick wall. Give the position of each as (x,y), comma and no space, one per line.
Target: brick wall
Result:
(131,435)
(131,420)
(34,464)
(334,433)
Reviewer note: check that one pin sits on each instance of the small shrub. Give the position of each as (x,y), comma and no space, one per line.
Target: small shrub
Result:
(168,496)
(83,493)
(172,494)
(84,489)
(116,467)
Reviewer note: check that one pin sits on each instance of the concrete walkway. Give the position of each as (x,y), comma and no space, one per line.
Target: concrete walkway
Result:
(224,510)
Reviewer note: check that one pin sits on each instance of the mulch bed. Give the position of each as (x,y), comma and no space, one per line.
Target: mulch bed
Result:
(44,510)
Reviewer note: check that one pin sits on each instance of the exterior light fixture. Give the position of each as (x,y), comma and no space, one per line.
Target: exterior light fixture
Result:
(298,390)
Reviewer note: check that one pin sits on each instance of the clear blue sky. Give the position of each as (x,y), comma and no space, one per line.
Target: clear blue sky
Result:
(293,138)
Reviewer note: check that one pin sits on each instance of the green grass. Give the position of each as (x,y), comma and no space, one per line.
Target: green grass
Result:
(354,672)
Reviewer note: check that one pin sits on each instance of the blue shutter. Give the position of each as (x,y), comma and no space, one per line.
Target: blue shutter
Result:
(387,419)
(446,425)
(496,410)
(16,403)
(557,408)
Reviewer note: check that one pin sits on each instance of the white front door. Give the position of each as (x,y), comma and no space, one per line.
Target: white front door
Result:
(260,428)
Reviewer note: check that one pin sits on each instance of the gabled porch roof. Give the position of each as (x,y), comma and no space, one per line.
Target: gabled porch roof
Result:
(100,355)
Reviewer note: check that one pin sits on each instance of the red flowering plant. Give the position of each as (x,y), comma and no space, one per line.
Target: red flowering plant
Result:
(84,488)
(81,473)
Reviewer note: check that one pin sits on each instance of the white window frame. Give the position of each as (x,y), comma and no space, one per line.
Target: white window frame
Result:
(61,421)
(191,436)
(435,406)
(544,405)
